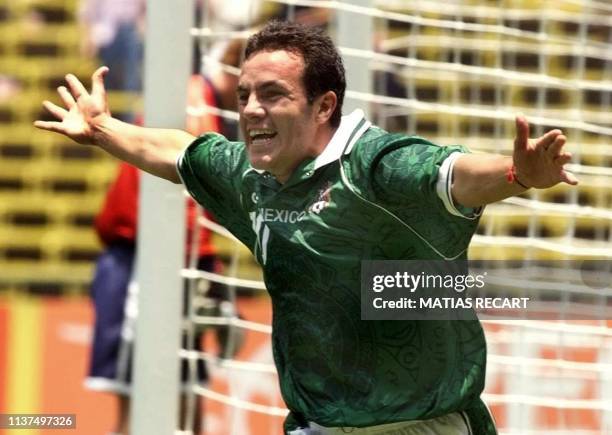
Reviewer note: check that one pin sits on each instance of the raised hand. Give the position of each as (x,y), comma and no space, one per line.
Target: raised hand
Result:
(82,109)
(539,162)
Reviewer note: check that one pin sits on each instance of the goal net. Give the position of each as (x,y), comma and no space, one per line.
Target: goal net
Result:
(455,72)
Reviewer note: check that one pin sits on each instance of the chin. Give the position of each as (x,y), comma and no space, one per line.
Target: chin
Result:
(262,164)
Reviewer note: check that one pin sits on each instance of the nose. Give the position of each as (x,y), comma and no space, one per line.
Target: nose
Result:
(253,109)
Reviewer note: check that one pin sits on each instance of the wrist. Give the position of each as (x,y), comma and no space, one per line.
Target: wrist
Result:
(513,178)
(100,126)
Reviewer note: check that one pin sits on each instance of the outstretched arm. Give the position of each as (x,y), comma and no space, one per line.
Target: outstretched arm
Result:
(86,119)
(482,179)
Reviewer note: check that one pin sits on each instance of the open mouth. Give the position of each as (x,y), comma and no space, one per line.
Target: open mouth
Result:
(261,135)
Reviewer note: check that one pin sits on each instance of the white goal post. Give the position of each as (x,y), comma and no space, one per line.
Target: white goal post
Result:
(161,229)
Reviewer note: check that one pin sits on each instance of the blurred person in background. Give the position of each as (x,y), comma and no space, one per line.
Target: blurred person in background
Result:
(113,289)
(114,32)
(232,14)
(9,87)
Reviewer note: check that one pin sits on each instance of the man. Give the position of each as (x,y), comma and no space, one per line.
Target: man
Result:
(312,195)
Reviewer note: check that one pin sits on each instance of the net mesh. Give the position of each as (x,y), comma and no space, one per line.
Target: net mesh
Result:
(456,73)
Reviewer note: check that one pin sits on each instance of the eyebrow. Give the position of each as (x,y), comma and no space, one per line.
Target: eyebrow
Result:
(261,86)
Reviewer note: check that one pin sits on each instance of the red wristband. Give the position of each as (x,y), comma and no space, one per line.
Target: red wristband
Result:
(511,177)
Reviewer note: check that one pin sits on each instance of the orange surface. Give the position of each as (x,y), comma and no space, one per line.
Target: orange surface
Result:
(66,342)
(66,339)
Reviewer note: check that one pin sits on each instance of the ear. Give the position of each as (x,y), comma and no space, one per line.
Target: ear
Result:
(325,105)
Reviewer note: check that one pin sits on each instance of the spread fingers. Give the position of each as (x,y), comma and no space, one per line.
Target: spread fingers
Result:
(66,97)
(55,110)
(76,87)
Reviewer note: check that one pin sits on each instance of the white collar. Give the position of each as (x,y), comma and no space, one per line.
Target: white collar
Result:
(350,130)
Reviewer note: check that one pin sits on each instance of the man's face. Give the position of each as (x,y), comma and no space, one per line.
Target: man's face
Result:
(277,122)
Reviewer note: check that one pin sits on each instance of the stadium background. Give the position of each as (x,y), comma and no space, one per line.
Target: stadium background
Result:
(50,189)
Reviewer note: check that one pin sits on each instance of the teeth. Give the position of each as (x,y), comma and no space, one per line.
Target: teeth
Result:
(256,131)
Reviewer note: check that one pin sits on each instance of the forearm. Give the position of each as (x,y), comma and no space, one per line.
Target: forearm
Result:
(151,149)
(480,179)
(86,119)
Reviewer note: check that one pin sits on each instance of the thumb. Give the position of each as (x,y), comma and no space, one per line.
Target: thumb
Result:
(522,133)
(569,178)
(97,81)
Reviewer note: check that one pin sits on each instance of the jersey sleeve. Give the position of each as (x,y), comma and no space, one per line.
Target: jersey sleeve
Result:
(419,172)
(405,175)
(211,170)
(444,190)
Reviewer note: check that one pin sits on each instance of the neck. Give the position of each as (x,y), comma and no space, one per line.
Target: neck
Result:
(322,137)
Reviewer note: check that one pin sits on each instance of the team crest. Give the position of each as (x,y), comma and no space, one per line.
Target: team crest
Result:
(323,199)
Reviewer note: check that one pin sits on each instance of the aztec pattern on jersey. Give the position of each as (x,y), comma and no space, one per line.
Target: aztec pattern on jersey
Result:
(310,236)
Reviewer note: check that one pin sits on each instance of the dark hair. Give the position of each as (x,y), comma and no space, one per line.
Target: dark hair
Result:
(323,68)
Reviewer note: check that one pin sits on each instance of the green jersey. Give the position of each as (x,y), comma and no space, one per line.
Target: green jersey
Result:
(370,195)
